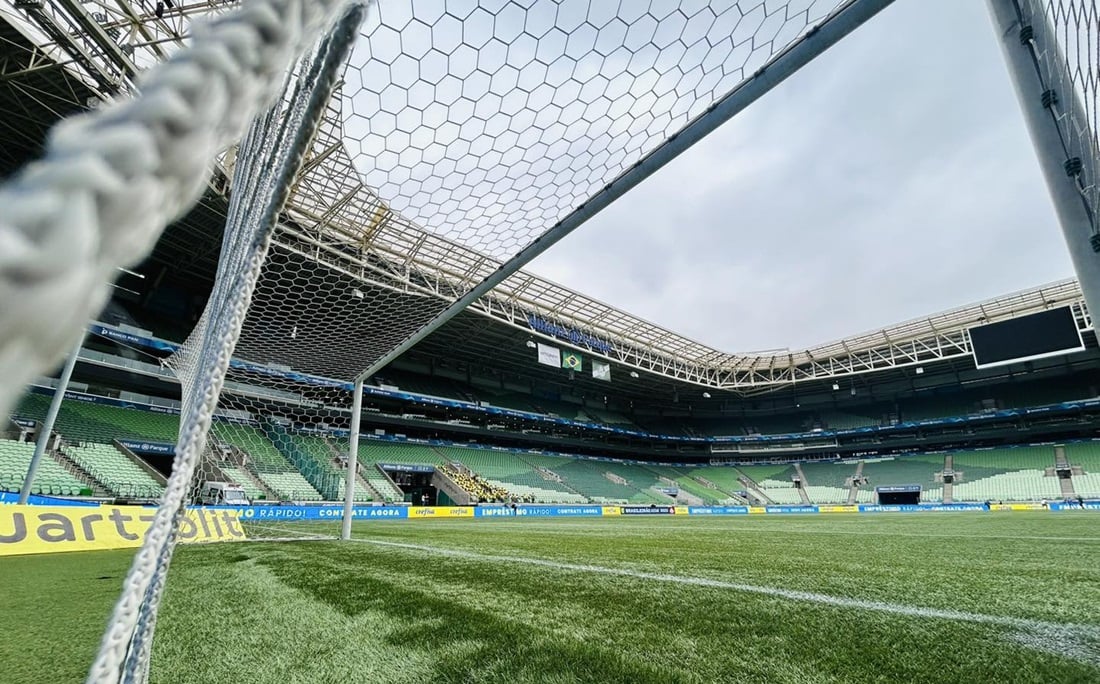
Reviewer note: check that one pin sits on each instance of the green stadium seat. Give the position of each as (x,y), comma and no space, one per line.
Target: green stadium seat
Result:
(114,470)
(51,479)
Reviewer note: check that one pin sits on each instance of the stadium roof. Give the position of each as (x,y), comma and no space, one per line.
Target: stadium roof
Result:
(346,225)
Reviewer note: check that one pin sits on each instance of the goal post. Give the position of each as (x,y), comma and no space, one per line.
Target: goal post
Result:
(1051,51)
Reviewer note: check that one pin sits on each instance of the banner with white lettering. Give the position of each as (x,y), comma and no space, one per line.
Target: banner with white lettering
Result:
(551,356)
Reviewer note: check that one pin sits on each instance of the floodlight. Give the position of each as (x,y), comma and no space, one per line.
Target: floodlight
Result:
(835,386)
(633,374)
(531,344)
(920,370)
(706,395)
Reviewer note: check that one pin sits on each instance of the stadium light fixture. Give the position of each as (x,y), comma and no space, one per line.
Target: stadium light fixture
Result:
(836,386)
(633,374)
(706,395)
(920,370)
(531,344)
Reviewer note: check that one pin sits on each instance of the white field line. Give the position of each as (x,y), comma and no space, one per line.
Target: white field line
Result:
(1061,632)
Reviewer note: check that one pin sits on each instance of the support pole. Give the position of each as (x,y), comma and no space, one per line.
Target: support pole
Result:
(817,40)
(353,459)
(46,428)
(1050,105)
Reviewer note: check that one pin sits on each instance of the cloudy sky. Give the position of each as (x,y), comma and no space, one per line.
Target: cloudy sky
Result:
(890,179)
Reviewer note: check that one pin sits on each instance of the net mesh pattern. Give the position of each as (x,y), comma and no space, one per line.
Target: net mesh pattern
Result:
(486,123)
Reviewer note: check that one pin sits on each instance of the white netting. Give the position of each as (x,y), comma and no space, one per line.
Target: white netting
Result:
(268,158)
(111,180)
(488,122)
(463,134)
(1070,69)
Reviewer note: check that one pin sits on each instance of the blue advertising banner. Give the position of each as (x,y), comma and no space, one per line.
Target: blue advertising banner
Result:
(407,468)
(718,510)
(36,500)
(1074,506)
(149,447)
(898,489)
(286,513)
(917,508)
(559,511)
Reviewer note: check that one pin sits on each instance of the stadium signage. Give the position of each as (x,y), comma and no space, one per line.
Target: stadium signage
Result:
(130,338)
(555,511)
(407,468)
(647,510)
(573,336)
(53,529)
(790,509)
(148,447)
(718,510)
(441,512)
(285,513)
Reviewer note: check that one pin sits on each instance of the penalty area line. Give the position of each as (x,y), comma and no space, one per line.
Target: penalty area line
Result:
(1066,636)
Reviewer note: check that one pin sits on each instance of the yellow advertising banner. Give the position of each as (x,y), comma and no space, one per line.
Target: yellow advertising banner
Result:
(756,510)
(680,510)
(54,529)
(1017,507)
(612,510)
(838,509)
(441,512)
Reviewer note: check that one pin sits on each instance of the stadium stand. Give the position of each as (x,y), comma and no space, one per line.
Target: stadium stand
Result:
(937,407)
(269,464)
(774,482)
(668,476)
(589,478)
(52,478)
(114,470)
(87,422)
(479,488)
(398,452)
(238,476)
(828,483)
(1007,474)
(723,477)
(381,484)
(905,470)
(1085,455)
(511,471)
(315,455)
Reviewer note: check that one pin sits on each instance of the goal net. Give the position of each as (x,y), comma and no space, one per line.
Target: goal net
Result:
(457,140)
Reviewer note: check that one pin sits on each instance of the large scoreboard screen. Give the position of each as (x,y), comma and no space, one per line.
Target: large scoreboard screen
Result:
(1047,333)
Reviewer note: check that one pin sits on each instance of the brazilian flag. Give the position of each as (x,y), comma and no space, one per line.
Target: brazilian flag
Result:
(571,360)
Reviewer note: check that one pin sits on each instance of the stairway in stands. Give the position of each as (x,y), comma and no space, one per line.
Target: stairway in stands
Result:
(853,491)
(948,487)
(79,472)
(802,490)
(1062,463)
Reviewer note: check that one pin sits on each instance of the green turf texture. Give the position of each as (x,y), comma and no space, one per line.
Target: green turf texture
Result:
(360,612)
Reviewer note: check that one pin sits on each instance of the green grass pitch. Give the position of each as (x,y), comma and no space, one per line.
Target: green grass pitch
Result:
(1011,597)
